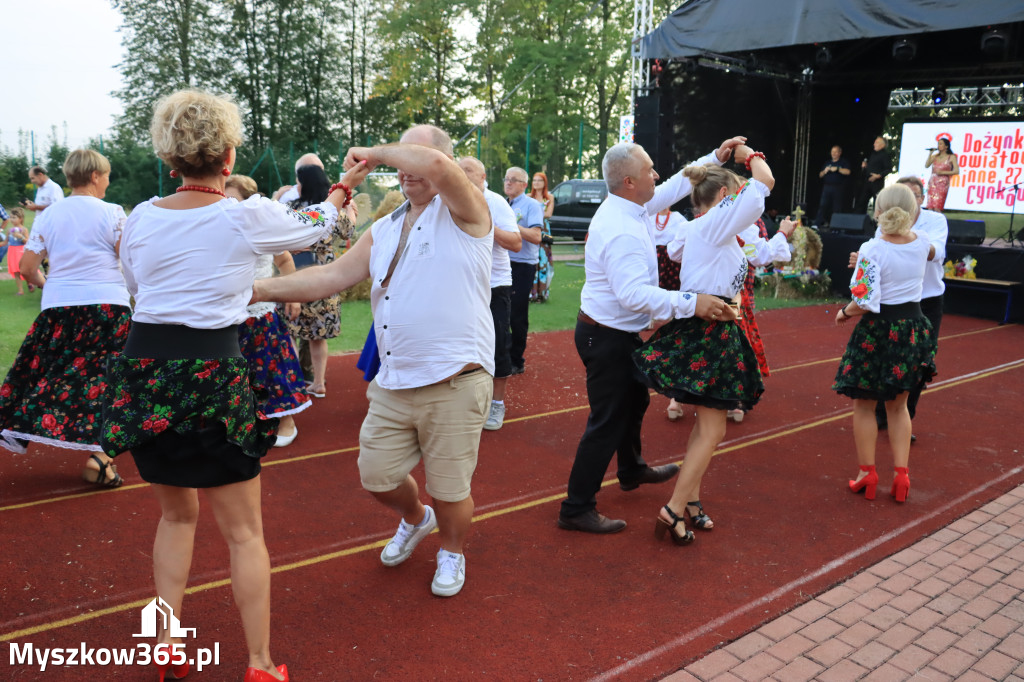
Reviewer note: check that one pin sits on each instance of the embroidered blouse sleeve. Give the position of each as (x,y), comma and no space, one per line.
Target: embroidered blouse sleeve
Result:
(271,227)
(116,224)
(40,229)
(760,251)
(734,214)
(865,282)
(678,243)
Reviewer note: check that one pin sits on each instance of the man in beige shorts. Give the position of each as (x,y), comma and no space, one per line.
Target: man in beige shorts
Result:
(433,392)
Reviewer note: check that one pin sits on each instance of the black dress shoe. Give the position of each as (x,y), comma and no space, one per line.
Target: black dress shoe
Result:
(913,439)
(592,521)
(651,475)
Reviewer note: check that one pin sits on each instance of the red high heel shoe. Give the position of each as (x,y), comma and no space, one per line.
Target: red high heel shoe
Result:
(177,671)
(901,484)
(868,483)
(257,675)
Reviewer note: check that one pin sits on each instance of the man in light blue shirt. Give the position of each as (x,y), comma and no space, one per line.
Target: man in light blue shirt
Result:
(530,218)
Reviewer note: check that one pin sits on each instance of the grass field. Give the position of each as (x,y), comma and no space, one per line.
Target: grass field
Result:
(18,312)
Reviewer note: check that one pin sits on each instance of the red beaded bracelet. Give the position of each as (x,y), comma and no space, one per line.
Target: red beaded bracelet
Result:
(344,188)
(759,155)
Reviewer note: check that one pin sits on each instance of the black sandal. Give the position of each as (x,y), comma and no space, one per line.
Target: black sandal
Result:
(99,476)
(700,521)
(662,526)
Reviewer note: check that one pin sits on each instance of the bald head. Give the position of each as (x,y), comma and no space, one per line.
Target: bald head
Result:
(474,170)
(310,159)
(430,136)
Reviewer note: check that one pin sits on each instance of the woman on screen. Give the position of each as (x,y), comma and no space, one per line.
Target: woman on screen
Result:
(944,165)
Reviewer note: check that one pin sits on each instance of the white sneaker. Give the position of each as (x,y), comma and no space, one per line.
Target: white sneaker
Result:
(450,575)
(496,418)
(406,538)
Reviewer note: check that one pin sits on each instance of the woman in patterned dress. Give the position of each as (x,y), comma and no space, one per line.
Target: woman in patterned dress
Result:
(274,371)
(892,349)
(53,392)
(944,165)
(545,264)
(179,397)
(320,320)
(708,364)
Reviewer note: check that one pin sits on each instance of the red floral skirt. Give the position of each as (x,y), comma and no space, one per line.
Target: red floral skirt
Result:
(54,391)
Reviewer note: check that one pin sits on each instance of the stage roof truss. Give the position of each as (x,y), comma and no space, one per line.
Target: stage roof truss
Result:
(921,98)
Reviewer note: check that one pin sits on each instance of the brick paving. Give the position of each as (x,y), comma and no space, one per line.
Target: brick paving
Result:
(950,607)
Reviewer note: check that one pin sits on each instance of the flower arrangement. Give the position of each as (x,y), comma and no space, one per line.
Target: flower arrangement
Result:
(963,268)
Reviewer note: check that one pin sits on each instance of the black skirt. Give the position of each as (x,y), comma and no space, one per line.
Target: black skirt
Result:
(188,421)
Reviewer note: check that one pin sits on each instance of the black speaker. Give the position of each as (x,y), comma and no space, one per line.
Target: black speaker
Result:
(851,223)
(652,129)
(966,231)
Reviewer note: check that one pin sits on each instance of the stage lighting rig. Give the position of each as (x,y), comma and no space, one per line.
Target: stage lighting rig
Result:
(939,95)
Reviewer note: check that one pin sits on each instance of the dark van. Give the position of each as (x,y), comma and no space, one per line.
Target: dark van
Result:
(576,201)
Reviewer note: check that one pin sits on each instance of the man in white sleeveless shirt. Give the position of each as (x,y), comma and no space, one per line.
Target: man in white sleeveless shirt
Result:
(430,264)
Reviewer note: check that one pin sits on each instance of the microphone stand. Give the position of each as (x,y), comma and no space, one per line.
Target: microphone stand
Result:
(1009,236)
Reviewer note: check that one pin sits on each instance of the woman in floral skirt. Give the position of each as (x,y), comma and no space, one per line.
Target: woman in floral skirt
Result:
(274,370)
(892,349)
(54,390)
(709,364)
(179,396)
(320,320)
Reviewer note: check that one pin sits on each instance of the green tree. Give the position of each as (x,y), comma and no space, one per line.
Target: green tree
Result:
(169,45)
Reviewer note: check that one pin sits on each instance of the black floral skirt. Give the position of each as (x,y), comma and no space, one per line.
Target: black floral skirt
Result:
(886,357)
(703,363)
(668,270)
(54,391)
(188,422)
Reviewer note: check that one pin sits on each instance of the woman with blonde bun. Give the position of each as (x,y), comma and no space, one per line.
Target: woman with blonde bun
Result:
(892,349)
(709,364)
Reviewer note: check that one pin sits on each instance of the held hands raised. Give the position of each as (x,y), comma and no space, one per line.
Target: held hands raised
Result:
(725,150)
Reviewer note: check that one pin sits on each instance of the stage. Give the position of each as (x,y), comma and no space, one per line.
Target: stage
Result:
(995,262)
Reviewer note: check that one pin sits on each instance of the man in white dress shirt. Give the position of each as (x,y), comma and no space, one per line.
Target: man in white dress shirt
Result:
(506,238)
(621,298)
(47,191)
(430,264)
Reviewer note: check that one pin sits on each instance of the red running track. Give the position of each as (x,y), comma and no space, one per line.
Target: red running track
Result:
(539,602)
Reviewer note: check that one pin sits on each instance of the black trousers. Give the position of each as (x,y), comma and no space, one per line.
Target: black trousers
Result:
(523,275)
(618,399)
(868,191)
(932,309)
(831,202)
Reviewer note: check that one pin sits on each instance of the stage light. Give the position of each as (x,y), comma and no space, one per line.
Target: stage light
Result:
(904,49)
(939,95)
(856,100)
(994,43)
(823,57)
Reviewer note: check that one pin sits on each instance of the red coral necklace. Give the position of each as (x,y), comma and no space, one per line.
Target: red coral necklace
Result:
(200,188)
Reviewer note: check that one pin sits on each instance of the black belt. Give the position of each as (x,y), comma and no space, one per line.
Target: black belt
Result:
(587,319)
(178,342)
(900,311)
